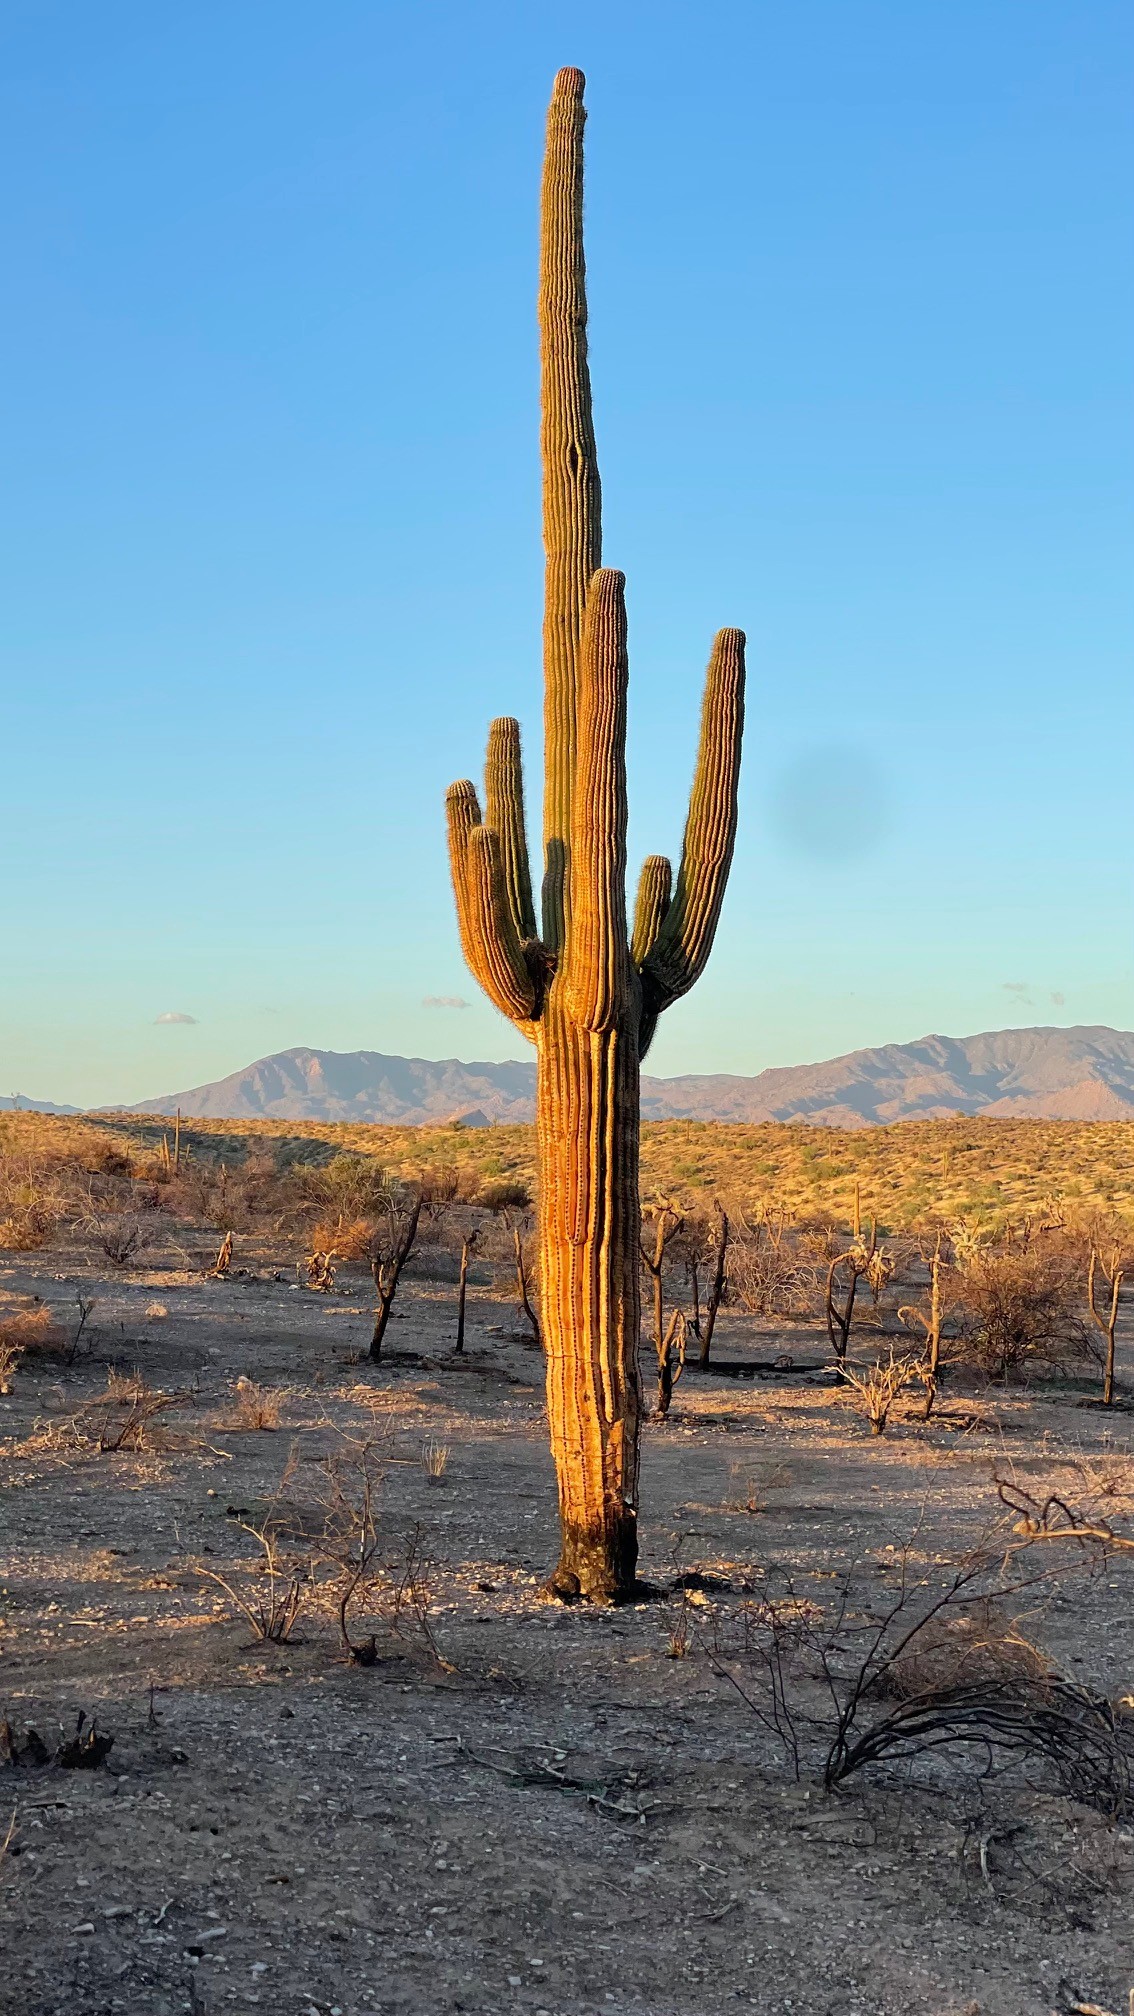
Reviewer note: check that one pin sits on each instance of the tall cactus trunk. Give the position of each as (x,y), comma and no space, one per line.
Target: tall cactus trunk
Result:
(586,993)
(587,1131)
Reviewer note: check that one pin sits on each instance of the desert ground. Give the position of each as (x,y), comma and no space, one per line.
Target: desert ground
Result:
(500,1803)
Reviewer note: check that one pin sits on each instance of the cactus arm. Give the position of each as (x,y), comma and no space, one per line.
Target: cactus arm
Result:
(655,885)
(504,813)
(597,959)
(510,983)
(489,939)
(571,493)
(462,813)
(686,936)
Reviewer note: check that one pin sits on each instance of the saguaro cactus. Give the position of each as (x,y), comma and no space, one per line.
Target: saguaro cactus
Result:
(583,991)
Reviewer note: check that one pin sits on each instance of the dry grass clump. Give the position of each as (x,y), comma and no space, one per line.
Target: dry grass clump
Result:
(434,1459)
(32,1330)
(977,1645)
(1106,1475)
(254,1407)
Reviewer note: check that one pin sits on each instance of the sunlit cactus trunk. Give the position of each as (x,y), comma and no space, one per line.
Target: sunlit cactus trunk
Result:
(586,992)
(587,1129)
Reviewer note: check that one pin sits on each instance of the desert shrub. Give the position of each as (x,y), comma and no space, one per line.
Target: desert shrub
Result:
(876,1387)
(270,1592)
(440,1186)
(353,1186)
(258,1193)
(119,1236)
(770,1270)
(1017,1298)
(930,1669)
(190,1194)
(504,1193)
(31,1204)
(129,1416)
(345,1238)
(110,1158)
(253,1192)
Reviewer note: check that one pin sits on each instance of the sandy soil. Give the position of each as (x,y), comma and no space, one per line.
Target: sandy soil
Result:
(518,1807)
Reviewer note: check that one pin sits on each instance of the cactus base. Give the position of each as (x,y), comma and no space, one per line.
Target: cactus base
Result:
(597,1564)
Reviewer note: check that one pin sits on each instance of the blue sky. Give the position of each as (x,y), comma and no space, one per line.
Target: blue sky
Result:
(861,341)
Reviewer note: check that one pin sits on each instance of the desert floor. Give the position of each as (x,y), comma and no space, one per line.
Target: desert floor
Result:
(518,1807)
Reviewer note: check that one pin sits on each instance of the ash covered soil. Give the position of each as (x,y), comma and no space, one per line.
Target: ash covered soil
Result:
(516,1807)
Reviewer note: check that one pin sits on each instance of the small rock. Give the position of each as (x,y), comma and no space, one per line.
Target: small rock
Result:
(88,1927)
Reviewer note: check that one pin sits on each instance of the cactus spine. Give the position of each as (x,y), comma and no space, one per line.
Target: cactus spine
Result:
(587,995)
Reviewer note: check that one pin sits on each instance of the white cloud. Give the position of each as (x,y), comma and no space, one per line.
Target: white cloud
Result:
(445,1001)
(174,1015)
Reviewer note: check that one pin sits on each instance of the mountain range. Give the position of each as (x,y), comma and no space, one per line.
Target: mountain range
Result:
(1037,1074)
(22,1102)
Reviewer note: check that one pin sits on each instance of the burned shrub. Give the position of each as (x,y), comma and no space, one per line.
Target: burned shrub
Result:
(1017,1299)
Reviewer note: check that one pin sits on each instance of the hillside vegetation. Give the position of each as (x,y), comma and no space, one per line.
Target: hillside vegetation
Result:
(911,1174)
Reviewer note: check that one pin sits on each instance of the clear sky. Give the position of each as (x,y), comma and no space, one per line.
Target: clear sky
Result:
(861,342)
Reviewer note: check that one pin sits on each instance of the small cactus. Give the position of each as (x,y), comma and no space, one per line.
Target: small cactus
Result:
(586,992)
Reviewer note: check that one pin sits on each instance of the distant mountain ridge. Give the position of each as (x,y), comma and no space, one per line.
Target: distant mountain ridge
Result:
(20,1102)
(1039,1074)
